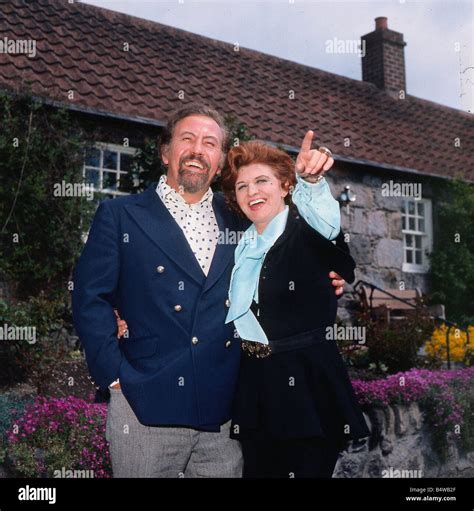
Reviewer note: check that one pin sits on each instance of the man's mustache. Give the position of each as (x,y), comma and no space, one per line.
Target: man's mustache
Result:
(199,159)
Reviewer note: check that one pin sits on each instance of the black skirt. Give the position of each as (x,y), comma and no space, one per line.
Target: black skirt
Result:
(300,392)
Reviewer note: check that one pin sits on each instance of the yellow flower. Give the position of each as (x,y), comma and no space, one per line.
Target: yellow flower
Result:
(459,348)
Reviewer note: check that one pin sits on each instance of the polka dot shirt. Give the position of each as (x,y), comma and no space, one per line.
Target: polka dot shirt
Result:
(197,221)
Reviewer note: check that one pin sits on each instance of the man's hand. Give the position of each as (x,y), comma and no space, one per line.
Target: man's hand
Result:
(338,282)
(311,162)
(122,329)
(121,325)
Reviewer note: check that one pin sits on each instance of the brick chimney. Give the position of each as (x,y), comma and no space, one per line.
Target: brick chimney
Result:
(384,60)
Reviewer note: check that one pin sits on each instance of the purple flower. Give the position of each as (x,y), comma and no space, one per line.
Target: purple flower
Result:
(73,425)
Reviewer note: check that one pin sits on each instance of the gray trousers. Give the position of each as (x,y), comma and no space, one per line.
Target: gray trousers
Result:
(152,451)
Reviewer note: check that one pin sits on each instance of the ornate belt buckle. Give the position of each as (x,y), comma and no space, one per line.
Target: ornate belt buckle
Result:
(256,349)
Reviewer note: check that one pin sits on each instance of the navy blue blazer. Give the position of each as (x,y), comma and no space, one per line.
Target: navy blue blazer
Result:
(179,364)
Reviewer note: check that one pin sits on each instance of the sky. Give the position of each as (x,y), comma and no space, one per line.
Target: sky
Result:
(439,55)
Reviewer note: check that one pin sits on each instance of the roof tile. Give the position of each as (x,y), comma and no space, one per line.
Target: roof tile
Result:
(81,47)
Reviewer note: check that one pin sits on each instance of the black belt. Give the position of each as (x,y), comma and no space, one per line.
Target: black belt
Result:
(293,342)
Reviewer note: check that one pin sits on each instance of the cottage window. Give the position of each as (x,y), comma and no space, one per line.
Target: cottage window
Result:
(105,164)
(417,234)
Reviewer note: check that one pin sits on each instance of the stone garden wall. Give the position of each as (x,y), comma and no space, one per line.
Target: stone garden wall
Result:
(400,446)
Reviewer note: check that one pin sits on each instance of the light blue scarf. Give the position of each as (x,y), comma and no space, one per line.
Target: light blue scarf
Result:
(249,256)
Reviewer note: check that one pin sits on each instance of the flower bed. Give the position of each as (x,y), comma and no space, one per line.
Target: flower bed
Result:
(54,437)
(409,386)
(445,397)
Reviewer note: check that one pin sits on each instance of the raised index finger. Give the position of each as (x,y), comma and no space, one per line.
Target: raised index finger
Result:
(307,140)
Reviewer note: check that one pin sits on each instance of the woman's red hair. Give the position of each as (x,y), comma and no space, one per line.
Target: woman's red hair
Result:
(256,152)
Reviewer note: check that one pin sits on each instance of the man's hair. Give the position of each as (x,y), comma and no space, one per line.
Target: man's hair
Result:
(194,109)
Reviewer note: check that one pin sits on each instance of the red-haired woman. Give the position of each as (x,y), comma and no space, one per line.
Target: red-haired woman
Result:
(294,407)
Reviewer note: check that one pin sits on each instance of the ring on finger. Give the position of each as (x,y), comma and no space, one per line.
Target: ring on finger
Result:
(325,151)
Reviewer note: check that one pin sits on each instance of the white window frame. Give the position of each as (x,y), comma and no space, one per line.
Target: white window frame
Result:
(426,236)
(102,146)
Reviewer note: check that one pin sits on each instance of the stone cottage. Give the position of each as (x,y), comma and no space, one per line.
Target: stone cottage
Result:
(393,151)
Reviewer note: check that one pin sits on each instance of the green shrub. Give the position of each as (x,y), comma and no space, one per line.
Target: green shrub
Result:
(395,346)
(10,405)
(35,361)
(40,231)
(452,260)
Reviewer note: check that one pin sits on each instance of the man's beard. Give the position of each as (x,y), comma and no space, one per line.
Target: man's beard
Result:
(193,182)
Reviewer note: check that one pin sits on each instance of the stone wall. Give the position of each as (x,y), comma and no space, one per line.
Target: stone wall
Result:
(400,446)
(374,225)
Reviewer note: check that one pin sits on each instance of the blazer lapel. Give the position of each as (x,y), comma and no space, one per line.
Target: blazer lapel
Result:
(154,219)
(228,239)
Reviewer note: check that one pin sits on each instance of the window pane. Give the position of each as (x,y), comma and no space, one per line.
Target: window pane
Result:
(92,158)
(92,176)
(125,162)
(409,256)
(110,160)
(408,240)
(411,223)
(418,242)
(110,180)
(124,183)
(418,257)
(411,207)
(421,209)
(421,225)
